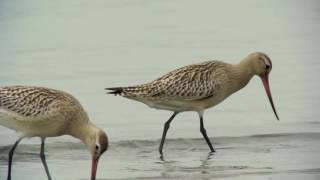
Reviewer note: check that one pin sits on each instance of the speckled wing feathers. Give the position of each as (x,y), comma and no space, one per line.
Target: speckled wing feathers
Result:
(28,101)
(191,82)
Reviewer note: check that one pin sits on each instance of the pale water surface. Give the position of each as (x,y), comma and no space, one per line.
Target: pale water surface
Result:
(83,46)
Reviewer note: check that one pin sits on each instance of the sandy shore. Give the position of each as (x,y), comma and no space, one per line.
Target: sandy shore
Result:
(269,156)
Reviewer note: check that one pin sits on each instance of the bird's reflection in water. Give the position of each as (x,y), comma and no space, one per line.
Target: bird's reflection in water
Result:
(205,163)
(169,167)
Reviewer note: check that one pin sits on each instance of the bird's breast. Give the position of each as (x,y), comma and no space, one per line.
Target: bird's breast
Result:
(42,126)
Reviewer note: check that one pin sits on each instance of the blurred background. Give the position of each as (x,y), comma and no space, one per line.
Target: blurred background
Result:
(83,46)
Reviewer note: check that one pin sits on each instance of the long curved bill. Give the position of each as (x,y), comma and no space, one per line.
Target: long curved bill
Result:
(265,81)
(94,166)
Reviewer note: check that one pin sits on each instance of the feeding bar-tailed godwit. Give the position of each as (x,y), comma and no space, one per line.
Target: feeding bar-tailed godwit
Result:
(198,87)
(43,112)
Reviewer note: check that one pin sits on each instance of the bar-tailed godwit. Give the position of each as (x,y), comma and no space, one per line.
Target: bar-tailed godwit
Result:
(198,87)
(42,112)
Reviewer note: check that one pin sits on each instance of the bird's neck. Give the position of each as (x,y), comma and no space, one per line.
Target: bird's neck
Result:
(241,73)
(84,131)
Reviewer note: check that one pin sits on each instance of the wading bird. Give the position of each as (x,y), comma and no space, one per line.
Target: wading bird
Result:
(198,87)
(42,112)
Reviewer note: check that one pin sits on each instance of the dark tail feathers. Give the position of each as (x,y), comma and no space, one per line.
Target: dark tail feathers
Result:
(115,90)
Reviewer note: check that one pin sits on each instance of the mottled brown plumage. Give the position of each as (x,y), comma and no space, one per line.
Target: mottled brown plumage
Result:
(191,82)
(32,101)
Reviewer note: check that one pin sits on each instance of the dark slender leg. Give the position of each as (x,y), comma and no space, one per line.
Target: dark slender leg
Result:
(10,157)
(166,127)
(204,133)
(43,158)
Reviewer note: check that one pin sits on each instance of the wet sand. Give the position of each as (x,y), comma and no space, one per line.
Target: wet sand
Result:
(267,156)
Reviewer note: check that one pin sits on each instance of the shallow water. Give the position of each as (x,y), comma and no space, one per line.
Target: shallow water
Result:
(83,46)
(266,156)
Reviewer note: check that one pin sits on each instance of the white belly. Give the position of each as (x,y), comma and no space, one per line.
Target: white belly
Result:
(30,126)
(8,119)
(185,105)
(177,106)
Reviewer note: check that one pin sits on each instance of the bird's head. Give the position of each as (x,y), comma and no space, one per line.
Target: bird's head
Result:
(261,63)
(97,144)
(262,66)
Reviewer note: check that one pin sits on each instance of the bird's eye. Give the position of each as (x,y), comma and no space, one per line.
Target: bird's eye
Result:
(267,67)
(97,147)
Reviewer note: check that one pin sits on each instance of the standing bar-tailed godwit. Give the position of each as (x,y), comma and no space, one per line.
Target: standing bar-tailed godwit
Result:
(198,87)
(42,112)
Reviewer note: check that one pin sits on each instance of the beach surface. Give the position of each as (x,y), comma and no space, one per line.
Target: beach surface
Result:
(265,156)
